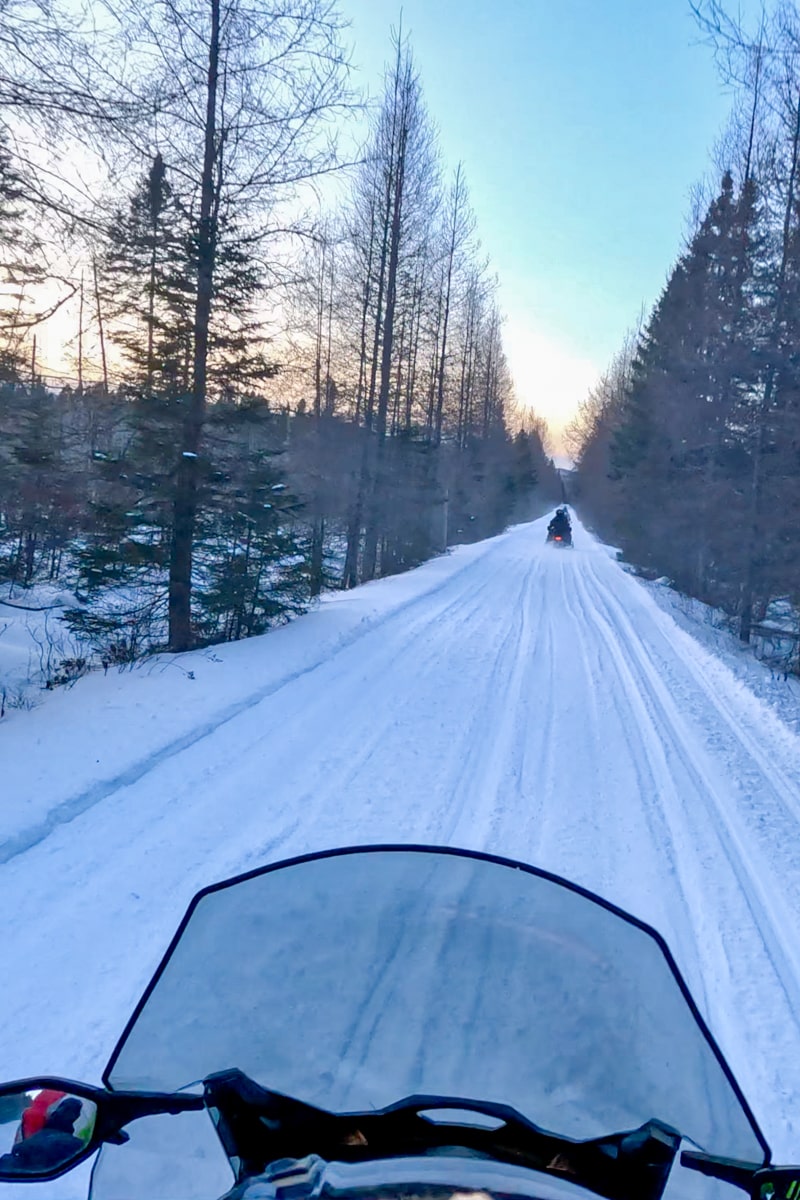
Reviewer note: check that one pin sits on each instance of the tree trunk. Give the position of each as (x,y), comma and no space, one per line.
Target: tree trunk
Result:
(100,329)
(318,354)
(362,358)
(458,200)
(372,536)
(317,559)
(185,508)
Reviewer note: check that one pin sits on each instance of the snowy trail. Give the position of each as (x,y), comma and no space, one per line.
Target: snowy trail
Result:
(526,701)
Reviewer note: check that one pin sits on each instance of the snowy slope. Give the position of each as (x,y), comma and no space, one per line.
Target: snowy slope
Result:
(510,697)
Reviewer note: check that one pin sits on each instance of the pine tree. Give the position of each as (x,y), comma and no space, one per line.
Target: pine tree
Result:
(19,250)
(252,568)
(775,442)
(151,262)
(147,268)
(672,449)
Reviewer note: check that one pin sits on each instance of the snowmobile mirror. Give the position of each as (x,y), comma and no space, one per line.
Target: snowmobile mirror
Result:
(776,1183)
(47,1126)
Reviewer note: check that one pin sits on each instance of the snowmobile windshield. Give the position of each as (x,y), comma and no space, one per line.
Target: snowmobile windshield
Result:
(355,979)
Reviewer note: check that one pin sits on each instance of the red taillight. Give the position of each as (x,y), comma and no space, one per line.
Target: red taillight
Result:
(556,539)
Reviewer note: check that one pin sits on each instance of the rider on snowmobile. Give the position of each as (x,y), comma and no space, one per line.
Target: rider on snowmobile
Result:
(560,526)
(54,1127)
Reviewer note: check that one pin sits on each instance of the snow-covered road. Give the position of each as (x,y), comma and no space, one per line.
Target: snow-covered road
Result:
(509,697)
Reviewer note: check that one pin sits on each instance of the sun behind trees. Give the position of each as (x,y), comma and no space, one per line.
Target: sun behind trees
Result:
(297,402)
(689,449)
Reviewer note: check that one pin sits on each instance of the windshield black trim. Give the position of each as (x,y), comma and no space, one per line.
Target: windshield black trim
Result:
(455,852)
(259,1127)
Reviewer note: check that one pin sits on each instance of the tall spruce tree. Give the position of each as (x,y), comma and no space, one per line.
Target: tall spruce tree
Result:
(673,447)
(146,269)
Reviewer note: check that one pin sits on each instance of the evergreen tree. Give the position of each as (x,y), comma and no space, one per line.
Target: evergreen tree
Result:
(151,260)
(19,251)
(252,569)
(774,443)
(674,447)
(147,269)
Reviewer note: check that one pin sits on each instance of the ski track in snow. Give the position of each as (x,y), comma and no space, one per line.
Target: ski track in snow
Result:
(513,698)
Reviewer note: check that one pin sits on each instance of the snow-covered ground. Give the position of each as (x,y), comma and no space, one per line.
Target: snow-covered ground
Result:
(507,697)
(759,665)
(34,642)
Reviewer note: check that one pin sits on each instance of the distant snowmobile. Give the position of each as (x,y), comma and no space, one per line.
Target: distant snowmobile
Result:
(400,1021)
(559,531)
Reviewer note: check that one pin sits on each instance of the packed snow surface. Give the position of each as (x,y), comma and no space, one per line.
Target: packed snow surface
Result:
(509,697)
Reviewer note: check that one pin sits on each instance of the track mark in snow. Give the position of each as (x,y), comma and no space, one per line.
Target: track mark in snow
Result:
(494,740)
(731,904)
(695,761)
(75,806)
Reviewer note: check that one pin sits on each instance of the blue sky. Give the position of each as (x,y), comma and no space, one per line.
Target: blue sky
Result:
(583,126)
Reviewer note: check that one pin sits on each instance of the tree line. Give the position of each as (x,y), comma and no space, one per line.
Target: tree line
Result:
(689,448)
(273,394)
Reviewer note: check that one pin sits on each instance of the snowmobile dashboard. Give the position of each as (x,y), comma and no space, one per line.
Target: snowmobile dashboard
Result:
(258,1127)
